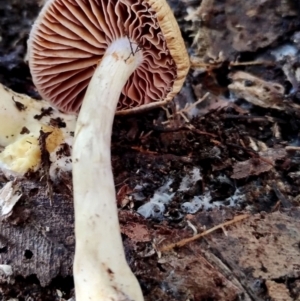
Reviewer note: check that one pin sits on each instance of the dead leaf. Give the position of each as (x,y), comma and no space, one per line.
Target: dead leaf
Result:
(136,232)
(123,195)
(258,165)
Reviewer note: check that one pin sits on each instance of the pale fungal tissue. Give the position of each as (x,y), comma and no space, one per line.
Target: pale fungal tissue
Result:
(22,120)
(156,206)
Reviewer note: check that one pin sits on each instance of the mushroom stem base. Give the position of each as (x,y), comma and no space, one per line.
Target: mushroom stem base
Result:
(100,268)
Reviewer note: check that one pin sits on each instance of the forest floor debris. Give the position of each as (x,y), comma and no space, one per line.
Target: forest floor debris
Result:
(228,147)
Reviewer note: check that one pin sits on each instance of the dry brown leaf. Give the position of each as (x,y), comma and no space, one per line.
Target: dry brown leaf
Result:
(136,232)
(258,165)
(123,195)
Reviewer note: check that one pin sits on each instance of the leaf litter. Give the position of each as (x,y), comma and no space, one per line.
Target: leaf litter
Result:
(185,170)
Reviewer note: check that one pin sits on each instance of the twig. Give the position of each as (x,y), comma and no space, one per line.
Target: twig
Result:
(182,112)
(143,151)
(185,241)
(292,148)
(254,154)
(168,157)
(252,63)
(208,66)
(247,117)
(188,107)
(193,129)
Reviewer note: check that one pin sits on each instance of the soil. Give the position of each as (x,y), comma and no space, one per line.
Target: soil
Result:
(183,171)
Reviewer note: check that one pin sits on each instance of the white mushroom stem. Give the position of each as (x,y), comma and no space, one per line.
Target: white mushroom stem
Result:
(100,268)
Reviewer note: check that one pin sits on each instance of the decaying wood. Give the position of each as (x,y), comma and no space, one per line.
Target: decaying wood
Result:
(37,238)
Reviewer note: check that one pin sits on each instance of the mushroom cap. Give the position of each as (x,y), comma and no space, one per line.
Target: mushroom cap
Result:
(69,39)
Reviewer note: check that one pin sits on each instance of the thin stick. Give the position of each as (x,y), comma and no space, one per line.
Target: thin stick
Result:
(185,241)
(252,63)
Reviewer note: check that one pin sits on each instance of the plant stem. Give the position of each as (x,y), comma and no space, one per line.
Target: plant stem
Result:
(100,268)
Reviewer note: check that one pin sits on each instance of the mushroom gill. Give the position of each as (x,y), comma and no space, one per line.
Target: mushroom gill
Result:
(62,74)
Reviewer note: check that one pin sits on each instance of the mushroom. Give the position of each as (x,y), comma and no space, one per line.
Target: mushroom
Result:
(22,120)
(99,56)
